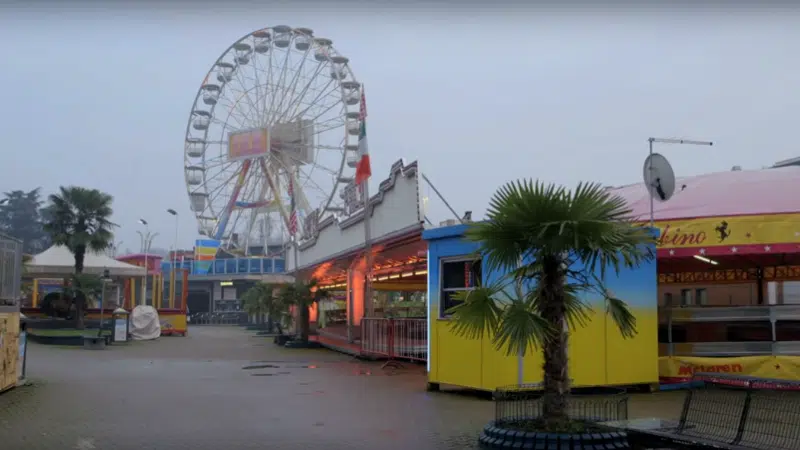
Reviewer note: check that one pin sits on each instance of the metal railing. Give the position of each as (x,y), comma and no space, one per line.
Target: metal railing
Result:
(729,411)
(220,318)
(405,339)
(683,314)
(230,266)
(10,269)
(516,404)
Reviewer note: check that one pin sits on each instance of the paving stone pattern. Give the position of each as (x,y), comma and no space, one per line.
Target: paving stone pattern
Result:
(224,388)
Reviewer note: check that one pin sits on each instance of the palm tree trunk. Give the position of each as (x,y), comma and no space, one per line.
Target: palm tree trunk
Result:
(80,299)
(556,368)
(305,322)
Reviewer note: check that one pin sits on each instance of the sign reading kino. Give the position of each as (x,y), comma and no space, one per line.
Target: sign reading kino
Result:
(746,233)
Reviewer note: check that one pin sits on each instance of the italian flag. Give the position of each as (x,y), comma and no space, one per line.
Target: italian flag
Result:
(363,168)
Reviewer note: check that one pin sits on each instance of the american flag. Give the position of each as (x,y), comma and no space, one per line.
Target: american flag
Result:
(292,211)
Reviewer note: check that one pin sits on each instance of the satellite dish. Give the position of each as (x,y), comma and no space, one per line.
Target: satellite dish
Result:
(659,177)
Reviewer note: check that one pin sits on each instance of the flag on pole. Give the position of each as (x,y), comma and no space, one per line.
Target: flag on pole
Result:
(292,210)
(363,168)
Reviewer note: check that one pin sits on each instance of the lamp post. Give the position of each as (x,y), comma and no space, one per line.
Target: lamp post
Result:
(146,244)
(106,278)
(174,271)
(654,140)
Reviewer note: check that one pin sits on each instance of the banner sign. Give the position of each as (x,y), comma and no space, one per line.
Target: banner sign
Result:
(729,235)
(681,369)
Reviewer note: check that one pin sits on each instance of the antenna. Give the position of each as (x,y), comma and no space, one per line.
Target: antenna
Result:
(441,197)
(659,178)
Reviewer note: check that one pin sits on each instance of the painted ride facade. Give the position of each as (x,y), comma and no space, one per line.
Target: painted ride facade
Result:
(729,273)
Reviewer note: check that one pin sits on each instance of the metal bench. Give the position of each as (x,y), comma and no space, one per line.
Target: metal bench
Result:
(730,412)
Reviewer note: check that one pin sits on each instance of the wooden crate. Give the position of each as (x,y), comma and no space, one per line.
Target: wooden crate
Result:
(9,347)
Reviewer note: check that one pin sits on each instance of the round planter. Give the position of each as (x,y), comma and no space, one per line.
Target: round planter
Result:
(282,339)
(302,344)
(497,436)
(56,340)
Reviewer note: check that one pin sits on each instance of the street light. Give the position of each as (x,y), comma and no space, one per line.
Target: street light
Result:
(106,278)
(172,281)
(175,242)
(145,238)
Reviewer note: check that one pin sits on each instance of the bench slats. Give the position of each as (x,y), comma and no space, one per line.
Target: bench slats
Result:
(720,414)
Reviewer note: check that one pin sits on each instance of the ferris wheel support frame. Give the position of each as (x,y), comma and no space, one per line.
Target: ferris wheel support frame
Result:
(274,186)
(232,202)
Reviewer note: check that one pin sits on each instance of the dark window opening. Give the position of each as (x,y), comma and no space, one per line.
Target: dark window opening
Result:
(458,276)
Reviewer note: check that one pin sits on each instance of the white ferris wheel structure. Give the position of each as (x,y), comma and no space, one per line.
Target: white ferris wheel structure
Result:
(272,138)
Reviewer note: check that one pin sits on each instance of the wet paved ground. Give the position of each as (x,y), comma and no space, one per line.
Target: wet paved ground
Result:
(193,393)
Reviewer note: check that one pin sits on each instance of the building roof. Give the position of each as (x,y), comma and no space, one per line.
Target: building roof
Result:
(739,192)
(59,260)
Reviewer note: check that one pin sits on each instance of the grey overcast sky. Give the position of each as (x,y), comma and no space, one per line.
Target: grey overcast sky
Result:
(101,98)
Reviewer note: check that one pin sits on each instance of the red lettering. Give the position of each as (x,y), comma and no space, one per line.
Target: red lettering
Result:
(678,239)
(691,369)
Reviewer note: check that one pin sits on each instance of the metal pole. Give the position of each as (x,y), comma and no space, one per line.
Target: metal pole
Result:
(368,303)
(146,269)
(649,188)
(441,197)
(102,300)
(173,272)
(652,140)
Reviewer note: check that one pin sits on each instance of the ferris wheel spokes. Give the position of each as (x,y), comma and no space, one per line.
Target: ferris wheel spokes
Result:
(297,89)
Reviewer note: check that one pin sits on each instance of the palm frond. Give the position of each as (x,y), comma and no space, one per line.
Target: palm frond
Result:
(521,330)
(478,314)
(622,316)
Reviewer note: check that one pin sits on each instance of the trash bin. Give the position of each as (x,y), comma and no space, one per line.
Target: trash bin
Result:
(121,322)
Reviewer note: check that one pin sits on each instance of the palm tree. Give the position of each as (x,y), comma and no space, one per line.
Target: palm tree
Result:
(302,295)
(78,218)
(261,300)
(555,245)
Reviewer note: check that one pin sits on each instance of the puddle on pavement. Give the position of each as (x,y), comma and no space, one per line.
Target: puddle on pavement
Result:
(278,365)
(260,366)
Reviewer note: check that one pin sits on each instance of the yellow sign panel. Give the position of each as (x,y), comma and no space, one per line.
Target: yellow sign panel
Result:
(727,231)
(248,144)
(682,368)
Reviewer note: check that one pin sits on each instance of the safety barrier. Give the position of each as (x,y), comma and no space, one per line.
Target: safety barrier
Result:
(229,266)
(228,318)
(405,339)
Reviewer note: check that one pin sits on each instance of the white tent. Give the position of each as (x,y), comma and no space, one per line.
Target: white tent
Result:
(59,260)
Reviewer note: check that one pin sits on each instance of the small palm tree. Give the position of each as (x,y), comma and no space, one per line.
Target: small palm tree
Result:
(554,244)
(78,218)
(261,300)
(302,295)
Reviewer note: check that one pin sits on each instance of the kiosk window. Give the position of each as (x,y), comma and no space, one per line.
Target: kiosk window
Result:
(458,276)
(701,296)
(686,297)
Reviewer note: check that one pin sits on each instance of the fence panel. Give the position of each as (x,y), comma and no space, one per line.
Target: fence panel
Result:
(229,318)
(410,339)
(376,337)
(405,339)
(10,270)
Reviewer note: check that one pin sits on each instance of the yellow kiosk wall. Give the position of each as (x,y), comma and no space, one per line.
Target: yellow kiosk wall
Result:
(598,354)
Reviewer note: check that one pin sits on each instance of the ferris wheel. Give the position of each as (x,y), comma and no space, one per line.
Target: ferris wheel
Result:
(272,135)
